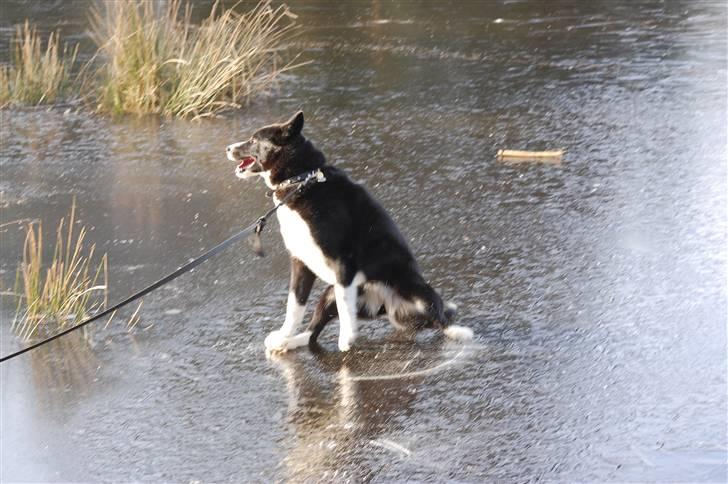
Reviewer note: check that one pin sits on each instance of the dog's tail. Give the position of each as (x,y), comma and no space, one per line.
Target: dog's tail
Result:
(442,314)
(454,331)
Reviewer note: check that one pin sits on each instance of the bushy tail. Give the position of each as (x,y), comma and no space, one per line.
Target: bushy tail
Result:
(453,331)
(443,314)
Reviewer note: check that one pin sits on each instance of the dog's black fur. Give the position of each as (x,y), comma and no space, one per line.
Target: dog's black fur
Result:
(352,230)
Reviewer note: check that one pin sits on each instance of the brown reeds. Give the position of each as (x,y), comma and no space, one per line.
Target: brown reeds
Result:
(36,75)
(159,62)
(73,286)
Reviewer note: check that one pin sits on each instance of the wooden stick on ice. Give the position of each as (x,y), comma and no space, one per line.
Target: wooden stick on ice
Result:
(529,154)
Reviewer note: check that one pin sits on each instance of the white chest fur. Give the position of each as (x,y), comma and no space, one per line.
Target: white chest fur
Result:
(300,243)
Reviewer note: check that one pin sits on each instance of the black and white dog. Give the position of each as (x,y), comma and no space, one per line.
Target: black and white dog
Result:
(336,231)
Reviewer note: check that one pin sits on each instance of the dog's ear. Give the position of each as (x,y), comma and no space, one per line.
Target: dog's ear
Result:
(293,126)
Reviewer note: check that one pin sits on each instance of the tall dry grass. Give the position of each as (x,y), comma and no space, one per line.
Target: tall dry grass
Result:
(37,75)
(72,287)
(159,62)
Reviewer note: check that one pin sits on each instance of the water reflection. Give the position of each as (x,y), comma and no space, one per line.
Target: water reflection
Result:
(134,183)
(344,409)
(58,381)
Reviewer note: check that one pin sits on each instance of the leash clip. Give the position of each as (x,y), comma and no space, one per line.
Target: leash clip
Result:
(255,239)
(260,225)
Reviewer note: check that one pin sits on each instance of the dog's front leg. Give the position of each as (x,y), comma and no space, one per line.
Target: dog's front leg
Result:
(301,282)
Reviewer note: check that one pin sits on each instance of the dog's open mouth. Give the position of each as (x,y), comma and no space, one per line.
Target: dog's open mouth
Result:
(246,162)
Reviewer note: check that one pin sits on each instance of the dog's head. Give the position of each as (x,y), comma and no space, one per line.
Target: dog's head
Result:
(269,151)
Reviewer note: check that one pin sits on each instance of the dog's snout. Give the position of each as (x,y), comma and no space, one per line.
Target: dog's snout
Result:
(231,151)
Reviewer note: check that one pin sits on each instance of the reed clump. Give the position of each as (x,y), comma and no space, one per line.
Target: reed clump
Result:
(71,288)
(36,75)
(159,62)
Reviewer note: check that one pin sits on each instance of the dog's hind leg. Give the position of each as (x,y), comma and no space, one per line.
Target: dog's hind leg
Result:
(346,307)
(300,288)
(326,310)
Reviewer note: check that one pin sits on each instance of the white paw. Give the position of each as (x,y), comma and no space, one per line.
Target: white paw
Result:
(276,341)
(345,341)
(301,339)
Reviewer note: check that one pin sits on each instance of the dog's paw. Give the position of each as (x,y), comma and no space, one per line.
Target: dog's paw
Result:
(345,341)
(301,339)
(276,341)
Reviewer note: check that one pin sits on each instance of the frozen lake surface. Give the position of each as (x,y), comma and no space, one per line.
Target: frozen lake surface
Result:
(596,288)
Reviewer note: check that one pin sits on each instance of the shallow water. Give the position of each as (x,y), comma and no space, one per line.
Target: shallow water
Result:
(596,286)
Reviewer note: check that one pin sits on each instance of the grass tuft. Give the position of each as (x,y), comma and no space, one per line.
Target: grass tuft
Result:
(70,289)
(36,75)
(159,62)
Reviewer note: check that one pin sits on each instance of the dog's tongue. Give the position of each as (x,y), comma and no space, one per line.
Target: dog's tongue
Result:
(247,161)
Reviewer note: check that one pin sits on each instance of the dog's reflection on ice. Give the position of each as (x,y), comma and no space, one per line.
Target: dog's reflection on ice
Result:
(338,421)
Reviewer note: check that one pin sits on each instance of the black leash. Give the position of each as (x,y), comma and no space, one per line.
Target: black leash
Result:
(299,182)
